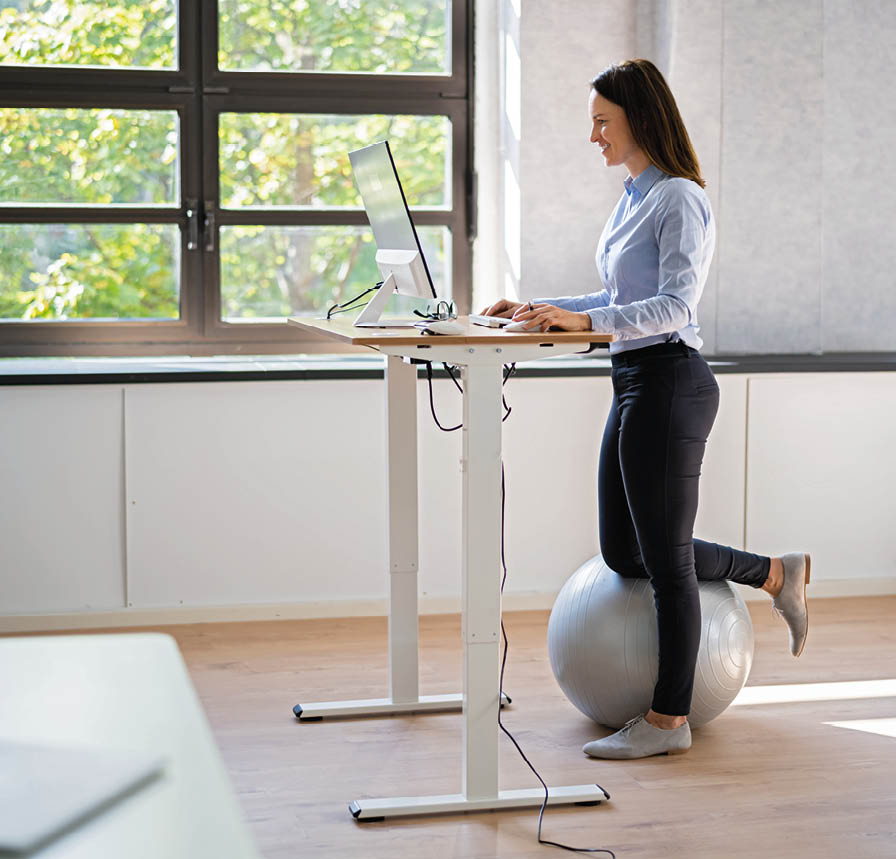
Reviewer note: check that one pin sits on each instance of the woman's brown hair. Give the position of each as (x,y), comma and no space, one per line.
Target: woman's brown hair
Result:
(639,88)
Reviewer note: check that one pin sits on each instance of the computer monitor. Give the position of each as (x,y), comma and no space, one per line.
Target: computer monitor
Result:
(399,254)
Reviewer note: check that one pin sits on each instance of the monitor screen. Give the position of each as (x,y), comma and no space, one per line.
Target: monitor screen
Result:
(387,209)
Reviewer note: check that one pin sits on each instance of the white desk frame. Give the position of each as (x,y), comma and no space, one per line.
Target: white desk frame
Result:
(481,359)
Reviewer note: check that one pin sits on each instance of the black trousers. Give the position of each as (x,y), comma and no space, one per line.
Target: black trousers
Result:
(664,405)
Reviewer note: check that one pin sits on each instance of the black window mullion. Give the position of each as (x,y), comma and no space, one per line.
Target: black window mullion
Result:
(329,217)
(15,81)
(90,215)
(193,189)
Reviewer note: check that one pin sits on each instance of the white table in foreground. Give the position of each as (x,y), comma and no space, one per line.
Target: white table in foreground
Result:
(481,353)
(126,692)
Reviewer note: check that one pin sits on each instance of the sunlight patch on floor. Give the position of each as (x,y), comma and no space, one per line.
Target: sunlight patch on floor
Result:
(796,692)
(884,727)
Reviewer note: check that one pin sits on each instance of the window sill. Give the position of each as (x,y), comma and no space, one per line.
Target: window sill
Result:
(81,371)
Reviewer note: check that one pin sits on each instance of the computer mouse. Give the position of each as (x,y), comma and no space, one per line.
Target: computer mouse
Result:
(521,326)
(536,329)
(446,326)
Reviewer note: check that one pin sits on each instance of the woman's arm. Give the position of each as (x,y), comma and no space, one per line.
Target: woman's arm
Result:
(566,313)
(578,303)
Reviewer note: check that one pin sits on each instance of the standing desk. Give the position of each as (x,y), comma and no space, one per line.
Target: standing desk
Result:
(481,353)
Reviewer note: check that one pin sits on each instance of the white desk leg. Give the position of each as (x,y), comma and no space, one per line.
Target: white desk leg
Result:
(481,577)
(401,480)
(481,626)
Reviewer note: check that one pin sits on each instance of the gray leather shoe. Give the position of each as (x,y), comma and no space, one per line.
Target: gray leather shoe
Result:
(790,604)
(639,739)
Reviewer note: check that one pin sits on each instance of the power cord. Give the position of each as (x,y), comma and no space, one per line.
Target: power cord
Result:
(349,305)
(509,370)
(432,406)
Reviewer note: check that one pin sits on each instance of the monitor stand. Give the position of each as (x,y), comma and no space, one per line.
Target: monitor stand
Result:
(369,317)
(404,272)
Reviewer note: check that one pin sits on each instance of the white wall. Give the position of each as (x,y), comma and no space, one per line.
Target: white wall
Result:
(826,480)
(183,496)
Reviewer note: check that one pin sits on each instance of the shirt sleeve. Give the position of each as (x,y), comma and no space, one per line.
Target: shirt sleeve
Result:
(685,239)
(578,303)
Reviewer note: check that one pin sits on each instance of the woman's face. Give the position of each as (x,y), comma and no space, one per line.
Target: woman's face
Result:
(610,131)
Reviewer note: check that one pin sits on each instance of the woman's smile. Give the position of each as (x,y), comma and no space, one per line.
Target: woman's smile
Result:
(610,130)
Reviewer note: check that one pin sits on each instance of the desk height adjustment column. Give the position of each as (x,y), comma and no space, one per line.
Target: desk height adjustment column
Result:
(481,577)
(401,490)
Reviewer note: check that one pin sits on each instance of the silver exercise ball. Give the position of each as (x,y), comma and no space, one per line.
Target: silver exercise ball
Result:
(602,642)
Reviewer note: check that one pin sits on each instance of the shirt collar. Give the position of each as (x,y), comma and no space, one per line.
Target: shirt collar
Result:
(644,181)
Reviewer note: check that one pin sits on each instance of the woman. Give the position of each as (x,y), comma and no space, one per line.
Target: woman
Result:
(653,257)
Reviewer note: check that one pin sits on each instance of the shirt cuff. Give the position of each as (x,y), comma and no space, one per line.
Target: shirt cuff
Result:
(601,320)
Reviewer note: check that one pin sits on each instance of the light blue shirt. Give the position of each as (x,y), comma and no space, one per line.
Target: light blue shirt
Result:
(653,259)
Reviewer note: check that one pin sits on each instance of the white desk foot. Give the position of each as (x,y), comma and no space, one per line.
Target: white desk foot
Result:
(371,810)
(381,707)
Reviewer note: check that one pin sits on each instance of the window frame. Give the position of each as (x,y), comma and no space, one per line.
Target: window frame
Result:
(199,93)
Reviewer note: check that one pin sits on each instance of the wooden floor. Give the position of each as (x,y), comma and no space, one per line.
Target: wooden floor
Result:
(762,780)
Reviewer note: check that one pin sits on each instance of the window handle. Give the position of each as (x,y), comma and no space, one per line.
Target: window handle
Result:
(192,225)
(472,204)
(208,228)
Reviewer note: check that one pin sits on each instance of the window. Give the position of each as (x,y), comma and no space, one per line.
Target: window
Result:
(175,177)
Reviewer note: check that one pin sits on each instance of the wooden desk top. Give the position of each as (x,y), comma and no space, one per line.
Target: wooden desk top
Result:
(477,335)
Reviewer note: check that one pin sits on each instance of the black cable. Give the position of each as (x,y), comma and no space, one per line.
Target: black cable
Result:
(450,371)
(355,304)
(346,306)
(509,735)
(333,310)
(432,406)
(509,370)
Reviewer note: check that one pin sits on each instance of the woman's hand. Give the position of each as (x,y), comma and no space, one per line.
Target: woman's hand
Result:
(544,317)
(503,308)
